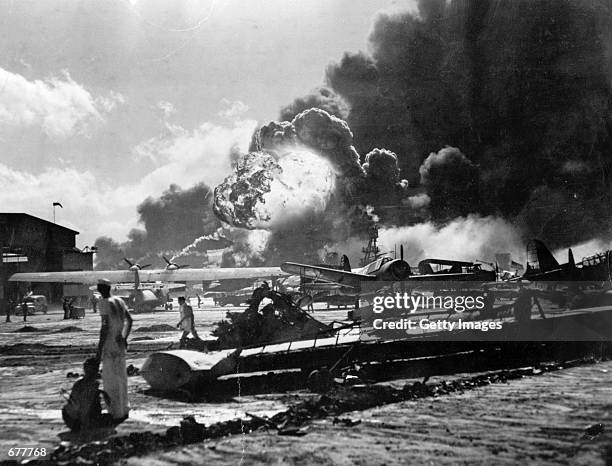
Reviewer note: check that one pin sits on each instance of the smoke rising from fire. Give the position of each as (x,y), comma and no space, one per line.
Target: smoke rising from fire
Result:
(170,223)
(521,88)
(466,128)
(464,238)
(303,182)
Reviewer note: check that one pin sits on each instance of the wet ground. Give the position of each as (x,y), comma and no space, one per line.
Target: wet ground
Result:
(539,419)
(34,367)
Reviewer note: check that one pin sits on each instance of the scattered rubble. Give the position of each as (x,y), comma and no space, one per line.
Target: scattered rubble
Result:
(293,421)
(69,329)
(157,328)
(26,329)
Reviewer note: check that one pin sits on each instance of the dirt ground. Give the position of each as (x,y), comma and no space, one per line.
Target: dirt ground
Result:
(535,420)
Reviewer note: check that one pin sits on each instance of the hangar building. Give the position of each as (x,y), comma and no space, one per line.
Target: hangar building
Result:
(32,244)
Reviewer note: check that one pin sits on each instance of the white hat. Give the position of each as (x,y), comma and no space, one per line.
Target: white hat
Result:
(104,281)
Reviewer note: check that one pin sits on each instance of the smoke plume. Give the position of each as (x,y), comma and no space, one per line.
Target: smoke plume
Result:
(521,88)
(465,238)
(304,184)
(170,223)
(467,128)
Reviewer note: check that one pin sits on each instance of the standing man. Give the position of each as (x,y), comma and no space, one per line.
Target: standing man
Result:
(186,324)
(24,309)
(66,307)
(116,326)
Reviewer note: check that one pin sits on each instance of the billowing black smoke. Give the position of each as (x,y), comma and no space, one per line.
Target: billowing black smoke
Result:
(304,186)
(171,223)
(522,88)
(451,180)
(471,114)
(322,98)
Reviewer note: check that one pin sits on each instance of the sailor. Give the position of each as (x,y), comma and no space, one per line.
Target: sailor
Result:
(116,326)
(95,297)
(186,322)
(66,307)
(84,410)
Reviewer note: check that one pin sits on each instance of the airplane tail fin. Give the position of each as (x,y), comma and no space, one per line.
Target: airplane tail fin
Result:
(344,262)
(540,259)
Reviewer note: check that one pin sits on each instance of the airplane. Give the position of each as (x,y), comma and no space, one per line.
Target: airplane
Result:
(452,270)
(144,297)
(386,268)
(149,285)
(541,265)
(382,269)
(173,265)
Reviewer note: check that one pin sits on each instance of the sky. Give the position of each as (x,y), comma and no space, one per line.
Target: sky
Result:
(104,103)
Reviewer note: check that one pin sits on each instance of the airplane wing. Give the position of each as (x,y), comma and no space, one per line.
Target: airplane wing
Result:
(155,275)
(314,272)
(144,286)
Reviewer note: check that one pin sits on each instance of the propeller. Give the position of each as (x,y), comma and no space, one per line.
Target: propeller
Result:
(173,264)
(137,266)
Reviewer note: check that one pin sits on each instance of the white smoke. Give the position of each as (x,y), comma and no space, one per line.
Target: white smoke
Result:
(193,247)
(465,238)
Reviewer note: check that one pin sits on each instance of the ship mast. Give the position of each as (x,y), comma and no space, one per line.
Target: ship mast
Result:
(371,251)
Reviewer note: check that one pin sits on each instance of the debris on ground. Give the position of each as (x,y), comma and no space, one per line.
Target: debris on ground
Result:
(294,420)
(156,328)
(70,329)
(142,339)
(26,329)
(346,421)
(593,431)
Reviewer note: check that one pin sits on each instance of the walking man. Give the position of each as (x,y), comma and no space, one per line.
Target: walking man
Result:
(186,324)
(116,326)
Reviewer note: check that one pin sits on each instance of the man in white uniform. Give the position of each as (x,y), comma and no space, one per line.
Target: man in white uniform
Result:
(116,326)
(186,322)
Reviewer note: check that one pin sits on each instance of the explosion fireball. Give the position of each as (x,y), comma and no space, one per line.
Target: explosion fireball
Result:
(264,192)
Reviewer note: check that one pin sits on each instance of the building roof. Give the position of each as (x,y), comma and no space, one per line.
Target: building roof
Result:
(57,225)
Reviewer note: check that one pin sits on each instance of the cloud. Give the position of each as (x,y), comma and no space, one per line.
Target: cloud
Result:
(87,202)
(233,109)
(189,157)
(166,108)
(59,106)
(95,207)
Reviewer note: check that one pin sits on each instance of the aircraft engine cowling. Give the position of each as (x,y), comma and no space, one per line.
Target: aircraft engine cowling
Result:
(146,297)
(395,270)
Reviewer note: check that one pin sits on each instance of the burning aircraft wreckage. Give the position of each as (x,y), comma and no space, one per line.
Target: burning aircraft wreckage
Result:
(307,172)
